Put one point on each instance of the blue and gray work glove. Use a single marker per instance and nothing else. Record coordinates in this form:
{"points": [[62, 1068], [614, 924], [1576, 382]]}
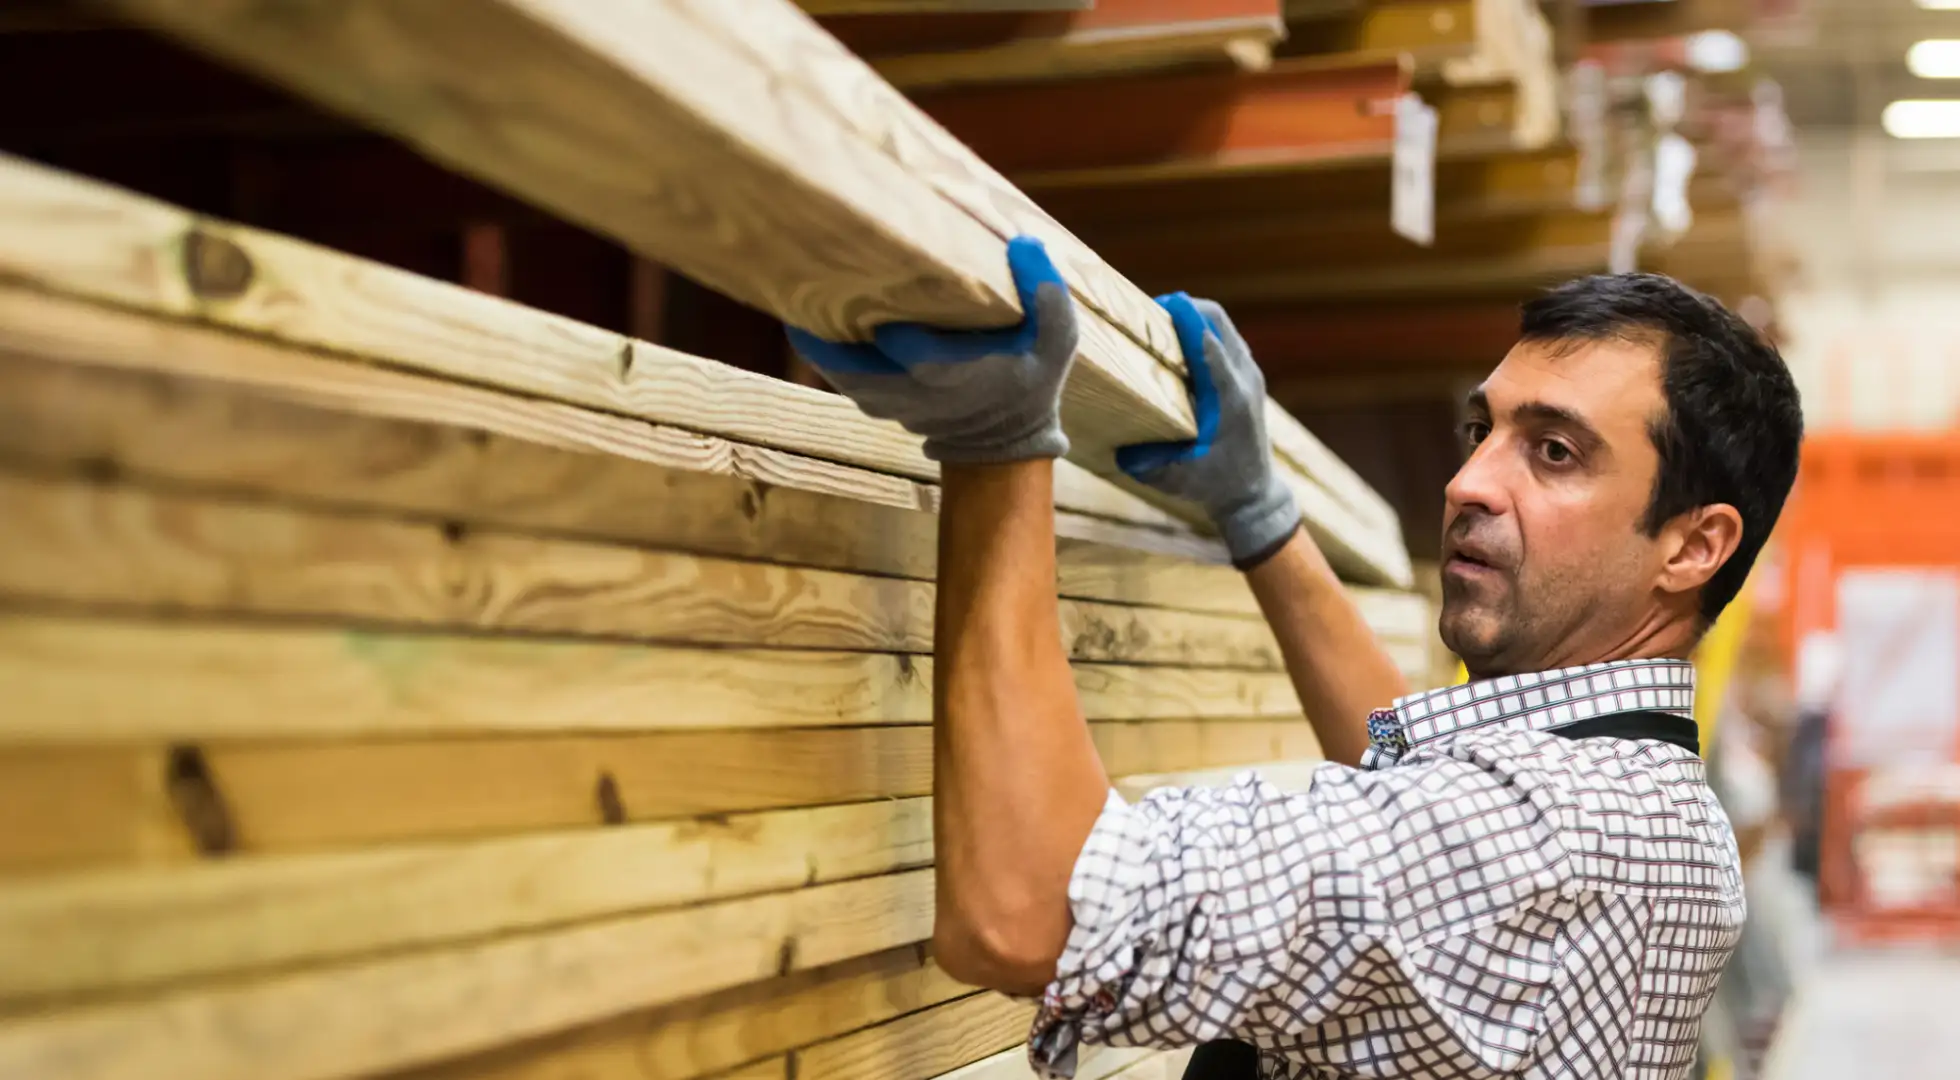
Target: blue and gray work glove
{"points": [[975, 396], [1228, 469]]}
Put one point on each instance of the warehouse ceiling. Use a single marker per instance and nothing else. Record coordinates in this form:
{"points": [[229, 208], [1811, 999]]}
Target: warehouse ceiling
{"points": [[1841, 61]]}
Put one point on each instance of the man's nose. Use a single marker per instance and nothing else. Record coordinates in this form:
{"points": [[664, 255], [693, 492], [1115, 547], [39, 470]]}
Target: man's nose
{"points": [[1482, 483]]}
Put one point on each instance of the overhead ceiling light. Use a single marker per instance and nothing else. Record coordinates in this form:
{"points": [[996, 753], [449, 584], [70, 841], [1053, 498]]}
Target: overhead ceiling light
{"points": [[1922, 119], [1935, 59], [1717, 51], [1940, 5]]}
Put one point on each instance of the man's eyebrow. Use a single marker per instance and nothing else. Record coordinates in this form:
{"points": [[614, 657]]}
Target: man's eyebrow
{"points": [[1478, 402], [1546, 413]]}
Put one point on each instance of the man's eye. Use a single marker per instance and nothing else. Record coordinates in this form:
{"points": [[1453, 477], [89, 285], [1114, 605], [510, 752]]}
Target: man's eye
{"points": [[1475, 431], [1556, 452]]}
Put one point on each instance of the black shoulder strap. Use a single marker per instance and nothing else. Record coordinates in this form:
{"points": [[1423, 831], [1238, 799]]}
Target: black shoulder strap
{"points": [[1226, 1059], [1666, 727]]}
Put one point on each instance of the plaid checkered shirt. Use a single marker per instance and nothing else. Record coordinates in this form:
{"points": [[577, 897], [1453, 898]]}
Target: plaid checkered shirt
{"points": [[1480, 899]]}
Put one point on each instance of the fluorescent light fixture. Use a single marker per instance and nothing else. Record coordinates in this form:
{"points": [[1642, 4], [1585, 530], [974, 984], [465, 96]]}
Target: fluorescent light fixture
{"points": [[1935, 59], [1922, 119], [1940, 5], [1717, 51]]}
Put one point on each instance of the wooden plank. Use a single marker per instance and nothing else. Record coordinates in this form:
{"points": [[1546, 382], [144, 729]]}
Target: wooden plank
{"points": [[1114, 36], [697, 1038], [88, 543], [921, 1045], [1356, 531], [649, 126], [131, 929], [1428, 31], [1502, 258], [1295, 341], [394, 1012], [126, 815], [212, 409], [884, 7], [128, 805], [1092, 1063], [113, 246], [135, 928], [352, 682], [1197, 123], [87, 239], [1364, 243]]}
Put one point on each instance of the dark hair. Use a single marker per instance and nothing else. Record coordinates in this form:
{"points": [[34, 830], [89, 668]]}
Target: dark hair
{"points": [[1734, 424]]}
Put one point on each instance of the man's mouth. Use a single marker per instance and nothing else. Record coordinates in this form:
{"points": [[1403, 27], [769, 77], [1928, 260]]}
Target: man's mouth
{"points": [[1467, 564]]}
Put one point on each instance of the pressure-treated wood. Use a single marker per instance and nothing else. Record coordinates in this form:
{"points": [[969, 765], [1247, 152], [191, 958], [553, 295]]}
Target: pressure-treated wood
{"points": [[326, 433], [392, 1012], [112, 545], [920, 1045], [879, 7], [354, 682], [117, 804], [1113, 36], [1092, 1063], [264, 418], [698, 1038], [87, 239], [653, 125], [120, 927], [1297, 114]]}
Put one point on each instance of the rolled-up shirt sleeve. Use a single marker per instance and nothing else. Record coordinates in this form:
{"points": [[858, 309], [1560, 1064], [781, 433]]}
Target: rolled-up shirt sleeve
{"points": [[1253, 913]]}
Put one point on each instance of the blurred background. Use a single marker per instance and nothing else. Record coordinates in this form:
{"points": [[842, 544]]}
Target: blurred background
{"points": [[1372, 186]]}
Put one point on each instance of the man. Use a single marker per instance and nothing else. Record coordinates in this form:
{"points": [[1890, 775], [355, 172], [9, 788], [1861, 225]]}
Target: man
{"points": [[1521, 877]]}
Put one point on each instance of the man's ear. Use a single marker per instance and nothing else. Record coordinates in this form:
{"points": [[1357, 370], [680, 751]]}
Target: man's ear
{"points": [[1702, 540]]}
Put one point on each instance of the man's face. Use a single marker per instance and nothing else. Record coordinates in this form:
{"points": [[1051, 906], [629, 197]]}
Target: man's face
{"points": [[1545, 563]]}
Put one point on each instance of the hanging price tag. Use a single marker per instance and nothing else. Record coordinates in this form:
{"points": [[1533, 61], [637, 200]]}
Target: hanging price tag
{"points": [[1412, 205], [1587, 123]]}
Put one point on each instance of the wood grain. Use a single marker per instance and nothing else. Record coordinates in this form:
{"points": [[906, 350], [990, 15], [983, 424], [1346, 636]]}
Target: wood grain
{"points": [[235, 415], [394, 1012], [114, 805], [106, 544], [313, 298], [145, 927], [699, 1037], [74, 806], [348, 437], [885, 119], [1079, 53], [270, 285], [180, 680], [921, 1045], [893, 7], [642, 125], [1092, 1063]]}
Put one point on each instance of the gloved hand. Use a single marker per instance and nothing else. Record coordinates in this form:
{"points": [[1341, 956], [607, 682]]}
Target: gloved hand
{"points": [[1228, 469], [975, 396]]}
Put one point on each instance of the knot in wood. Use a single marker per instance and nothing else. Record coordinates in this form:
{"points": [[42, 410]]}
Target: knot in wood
{"points": [[215, 267]]}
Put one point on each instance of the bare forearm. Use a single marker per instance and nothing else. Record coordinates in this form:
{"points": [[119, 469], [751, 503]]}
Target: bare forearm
{"points": [[1017, 782], [1338, 666]]}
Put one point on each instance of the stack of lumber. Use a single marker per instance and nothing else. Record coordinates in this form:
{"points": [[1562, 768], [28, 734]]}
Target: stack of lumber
{"points": [[405, 681], [398, 675]]}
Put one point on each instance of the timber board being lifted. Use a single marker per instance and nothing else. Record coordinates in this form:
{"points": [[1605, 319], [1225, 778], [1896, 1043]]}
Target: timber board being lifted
{"points": [[778, 115]]}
